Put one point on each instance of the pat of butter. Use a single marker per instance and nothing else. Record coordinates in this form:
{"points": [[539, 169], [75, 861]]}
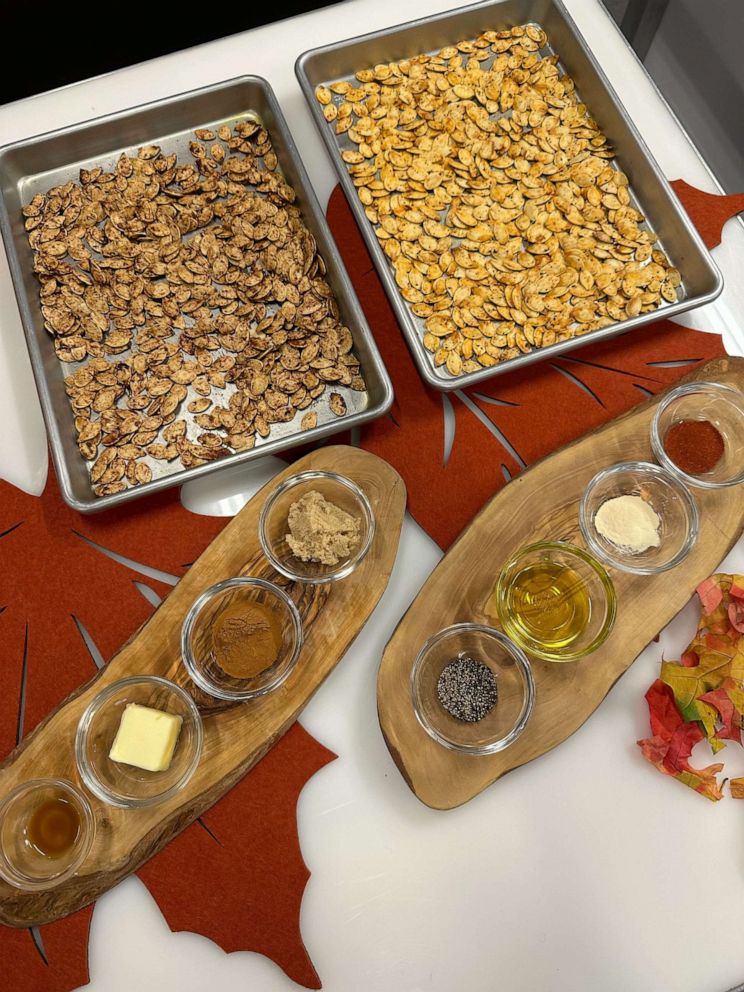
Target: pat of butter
{"points": [[146, 738]]}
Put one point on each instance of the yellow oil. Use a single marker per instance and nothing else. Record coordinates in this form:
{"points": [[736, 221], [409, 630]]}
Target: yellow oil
{"points": [[548, 603]]}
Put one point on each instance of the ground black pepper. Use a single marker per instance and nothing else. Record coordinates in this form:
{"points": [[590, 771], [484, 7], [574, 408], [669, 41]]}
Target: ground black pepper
{"points": [[467, 689]]}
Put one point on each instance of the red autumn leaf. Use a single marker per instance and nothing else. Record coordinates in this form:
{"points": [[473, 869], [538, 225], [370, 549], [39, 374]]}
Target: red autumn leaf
{"points": [[729, 715], [684, 739], [671, 746], [708, 211], [722, 621], [665, 717], [710, 594], [702, 697], [511, 420], [57, 584], [736, 615]]}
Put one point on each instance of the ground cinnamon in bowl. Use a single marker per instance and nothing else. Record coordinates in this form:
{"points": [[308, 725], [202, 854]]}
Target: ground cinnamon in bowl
{"points": [[246, 639], [695, 446]]}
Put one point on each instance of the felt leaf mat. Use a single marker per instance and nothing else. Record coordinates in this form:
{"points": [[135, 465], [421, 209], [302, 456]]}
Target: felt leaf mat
{"points": [[236, 875], [708, 211], [453, 465]]}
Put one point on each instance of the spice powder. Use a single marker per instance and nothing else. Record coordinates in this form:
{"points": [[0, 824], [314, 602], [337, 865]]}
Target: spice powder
{"points": [[629, 522], [695, 446], [246, 639]]}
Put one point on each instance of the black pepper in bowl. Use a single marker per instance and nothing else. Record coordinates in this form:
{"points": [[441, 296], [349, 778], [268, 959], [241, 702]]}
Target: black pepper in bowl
{"points": [[467, 689]]}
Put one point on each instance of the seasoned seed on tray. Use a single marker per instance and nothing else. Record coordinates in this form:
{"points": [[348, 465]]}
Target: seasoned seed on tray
{"points": [[493, 195], [181, 287]]}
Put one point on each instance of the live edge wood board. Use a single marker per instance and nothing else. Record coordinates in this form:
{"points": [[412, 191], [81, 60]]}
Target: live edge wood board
{"points": [[542, 503], [235, 738]]}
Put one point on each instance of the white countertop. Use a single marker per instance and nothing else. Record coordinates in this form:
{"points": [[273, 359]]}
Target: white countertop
{"points": [[583, 871]]}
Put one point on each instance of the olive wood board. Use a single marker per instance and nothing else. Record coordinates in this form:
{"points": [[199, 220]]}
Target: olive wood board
{"points": [[542, 504], [235, 738]]}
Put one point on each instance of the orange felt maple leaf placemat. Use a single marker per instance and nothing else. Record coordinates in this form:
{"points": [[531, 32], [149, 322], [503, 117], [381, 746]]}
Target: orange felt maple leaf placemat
{"points": [[236, 875], [508, 422], [708, 211]]}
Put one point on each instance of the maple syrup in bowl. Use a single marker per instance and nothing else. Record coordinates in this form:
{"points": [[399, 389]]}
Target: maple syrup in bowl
{"points": [[555, 600], [46, 831]]}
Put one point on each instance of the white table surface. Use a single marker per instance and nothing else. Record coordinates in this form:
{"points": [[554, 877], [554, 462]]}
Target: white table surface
{"points": [[583, 871]]}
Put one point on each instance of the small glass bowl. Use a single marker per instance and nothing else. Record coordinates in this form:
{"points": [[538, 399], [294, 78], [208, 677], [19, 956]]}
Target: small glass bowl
{"points": [[21, 863], [124, 785], [516, 689], [601, 601], [197, 648], [273, 526], [671, 500], [720, 405]]}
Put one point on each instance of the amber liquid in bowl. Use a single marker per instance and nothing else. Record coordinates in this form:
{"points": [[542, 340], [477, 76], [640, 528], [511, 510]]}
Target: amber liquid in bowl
{"points": [[549, 603], [53, 827]]}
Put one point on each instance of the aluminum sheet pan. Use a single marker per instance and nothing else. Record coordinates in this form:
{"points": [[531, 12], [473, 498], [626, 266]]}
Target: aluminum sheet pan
{"points": [[650, 191], [36, 164]]}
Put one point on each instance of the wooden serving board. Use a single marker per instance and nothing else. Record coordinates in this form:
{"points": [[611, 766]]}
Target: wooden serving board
{"points": [[542, 503], [235, 738]]}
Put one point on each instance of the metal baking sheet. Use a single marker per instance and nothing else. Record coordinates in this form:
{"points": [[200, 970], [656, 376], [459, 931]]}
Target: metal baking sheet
{"points": [[650, 191], [47, 160]]}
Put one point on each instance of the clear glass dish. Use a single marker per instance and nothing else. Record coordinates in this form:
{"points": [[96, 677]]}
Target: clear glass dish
{"points": [[227, 599], [669, 497], [572, 572], [22, 864], [514, 681], [273, 526], [720, 405], [124, 785]]}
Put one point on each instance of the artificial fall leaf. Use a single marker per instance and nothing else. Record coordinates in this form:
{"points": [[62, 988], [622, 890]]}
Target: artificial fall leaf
{"points": [[671, 746], [508, 422], [736, 615], [55, 584], [710, 594], [708, 211], [702, 697], [736, 785], [728, 700], [689, 659], [663, 713], [690, 684]]}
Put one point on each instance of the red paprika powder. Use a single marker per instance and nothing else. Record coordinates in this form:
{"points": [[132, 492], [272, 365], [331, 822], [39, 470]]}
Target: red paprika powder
{"points": [[695, 446]]}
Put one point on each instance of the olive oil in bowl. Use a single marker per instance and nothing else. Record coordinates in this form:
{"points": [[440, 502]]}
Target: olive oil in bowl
{"points": [[549, 603], [555, 600]]}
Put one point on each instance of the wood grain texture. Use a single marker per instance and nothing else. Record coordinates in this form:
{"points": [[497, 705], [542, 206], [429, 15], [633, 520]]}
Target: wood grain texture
{"points": [[234, 738], [542, 503]]}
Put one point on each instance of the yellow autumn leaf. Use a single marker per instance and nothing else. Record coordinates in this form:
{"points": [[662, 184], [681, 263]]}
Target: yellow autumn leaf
{"points": [[737, 788], [689, 683]]}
